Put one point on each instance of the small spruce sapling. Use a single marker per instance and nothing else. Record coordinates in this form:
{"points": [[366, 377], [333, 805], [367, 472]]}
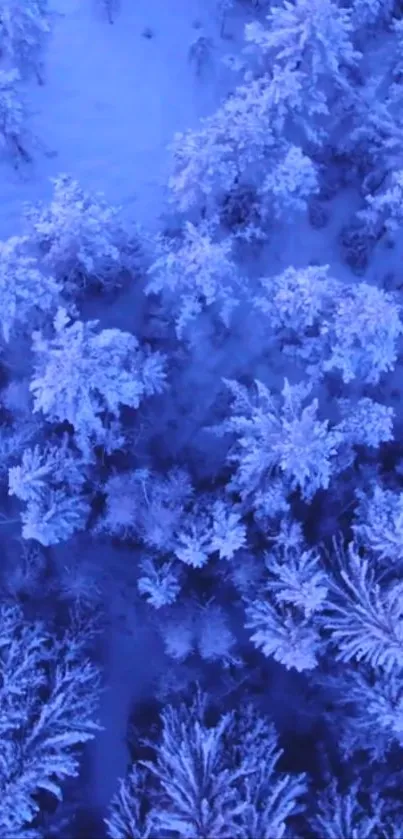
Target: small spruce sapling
{"points": [[209, 527], [365, 422], [296, 300], [83, 374], [371, 703], [281, 633], [159, 582]]}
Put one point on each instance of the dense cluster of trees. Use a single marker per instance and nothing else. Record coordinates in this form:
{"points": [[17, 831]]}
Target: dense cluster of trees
{"points": [[275, 561]]}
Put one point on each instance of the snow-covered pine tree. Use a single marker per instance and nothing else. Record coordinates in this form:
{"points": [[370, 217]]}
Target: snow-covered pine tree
{"points": [[370, 13], [83, 374], [50, 482], [80, 238], [233, 143], [340, 815], [364, 613], [24, 28], [370, 709], [287, 187], [12, 117], [379, 524], [145, 505], [363, 332], [275, 435], [195, 273], [48, 697], [127, 819], [280, 632], [216, 781], [159, 581], [314, 36], [24, 289], [384, 212]]}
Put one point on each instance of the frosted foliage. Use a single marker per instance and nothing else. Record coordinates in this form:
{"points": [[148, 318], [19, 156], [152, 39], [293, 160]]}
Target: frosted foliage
{"points": [[376, 132], [365, 422], [214, 637], [24, 27], [49, 481], [355, 329], [384, 211], [179, 634], [379, 523], [311, 35], [234, 140], [229, 534], [209, 528], [375, 704], [202, 629], [147, 506], [297, 579], [48, 696], [198, 273], [211, 780], [340, 815], [295, 299], [83, 373], [270, 502], [23, 287], [78, 235], [193, 540], [284, 435], [280, 633], [370, 12], [12, 113], [39, 467], [159, 582], [364, 334], [366, 620], [200, 165], [55, 518], [125, 819], [290, 183]]}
